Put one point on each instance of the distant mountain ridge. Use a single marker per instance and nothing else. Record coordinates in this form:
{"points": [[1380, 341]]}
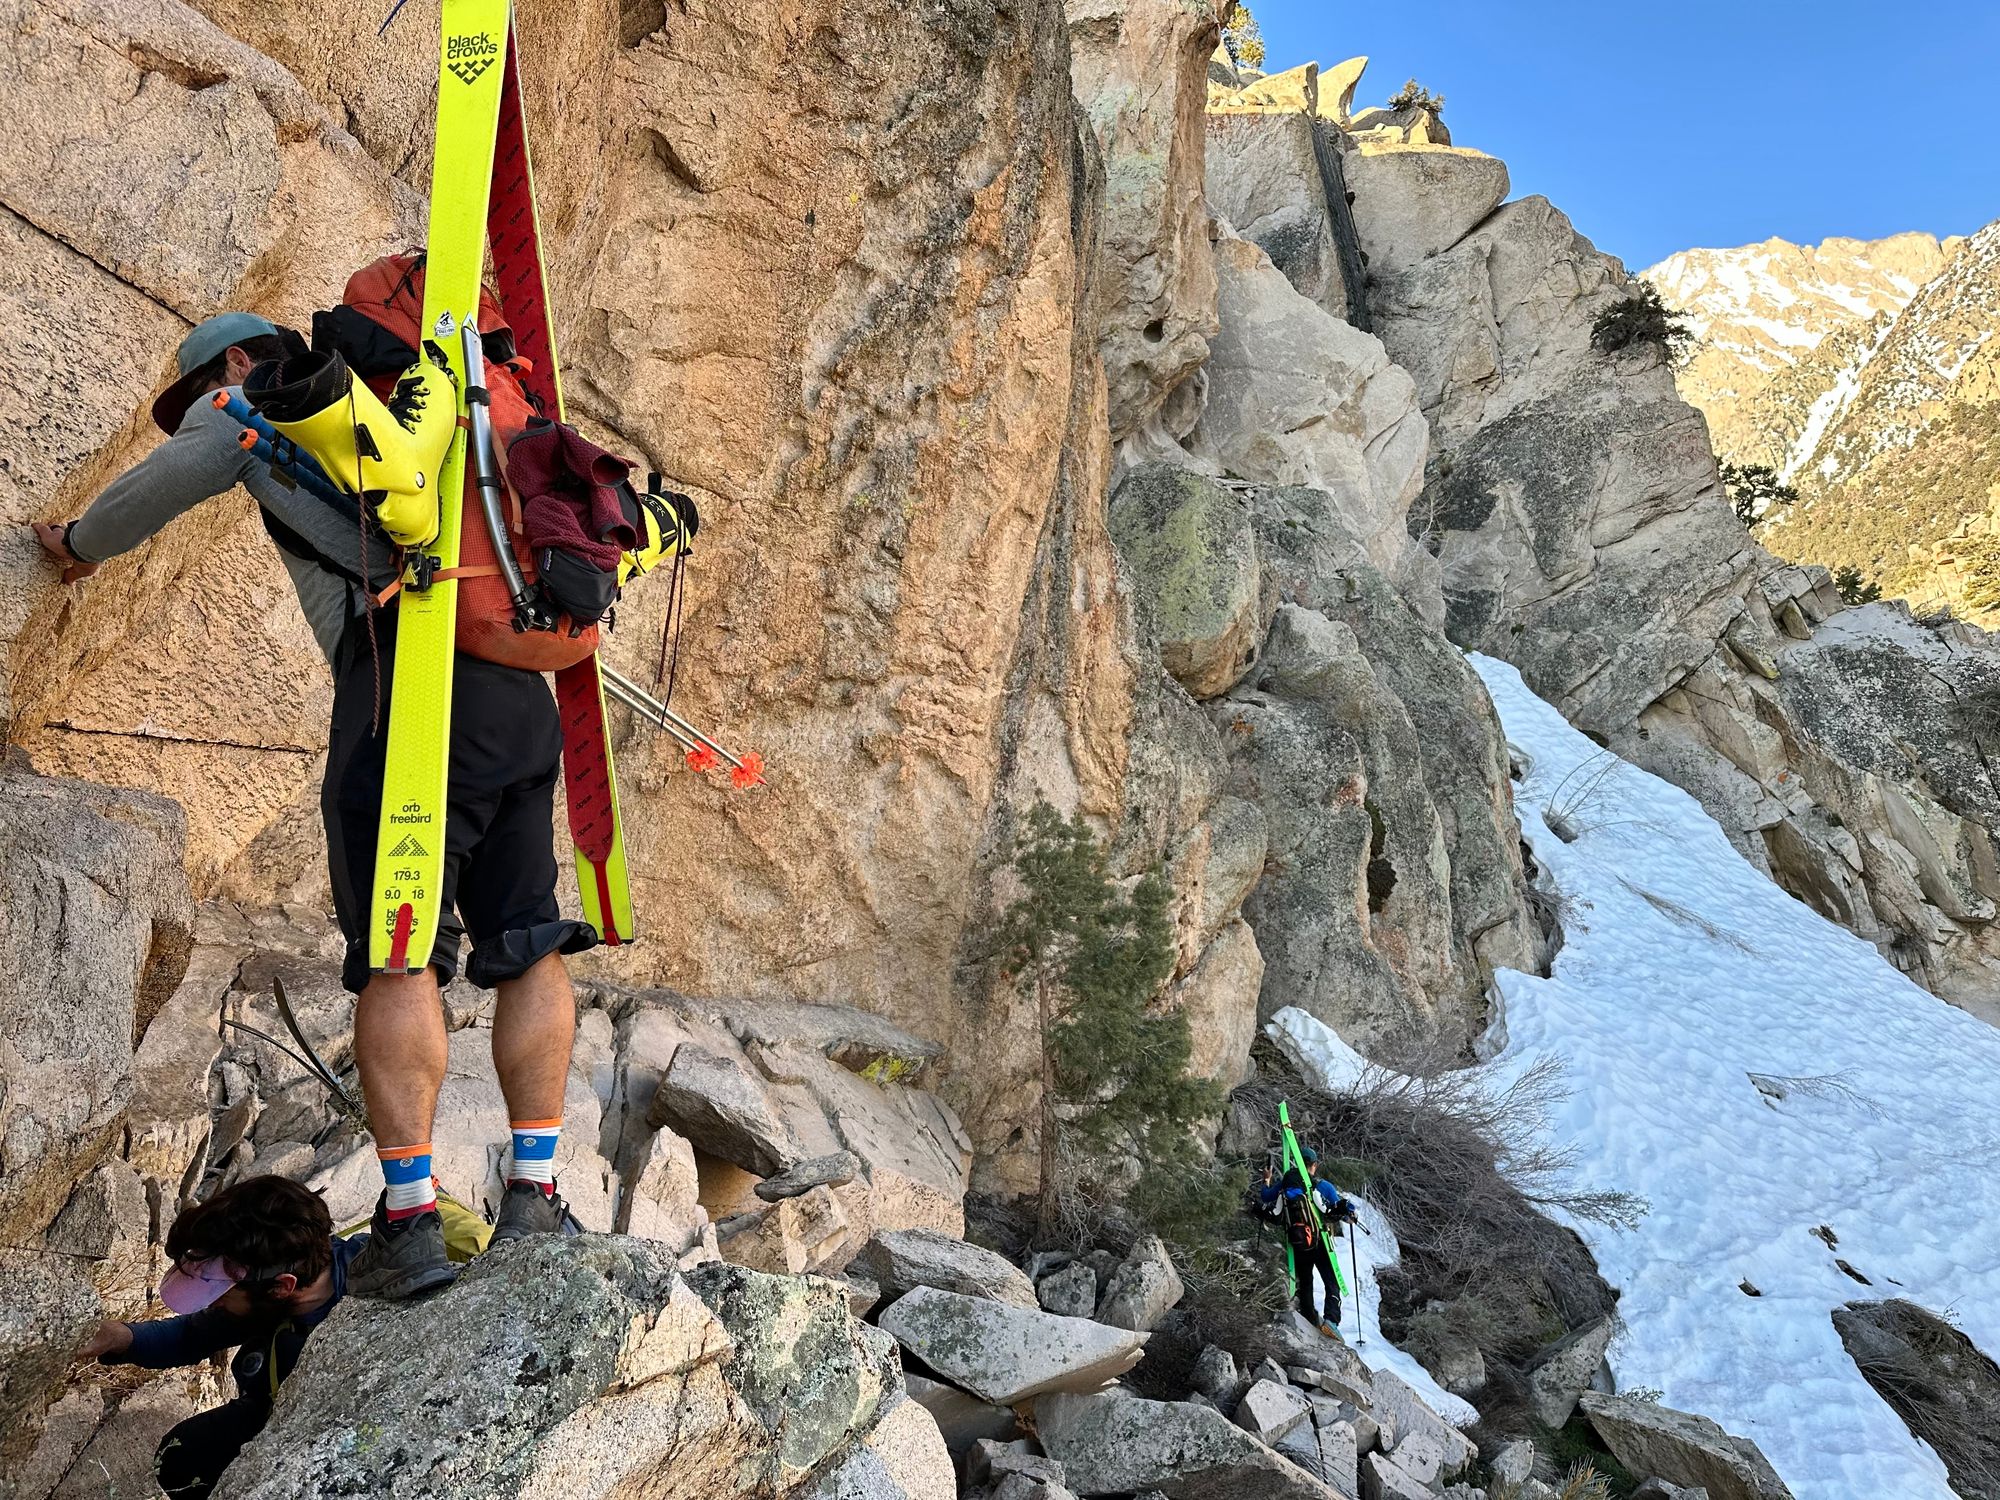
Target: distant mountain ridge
{"points": [[1875, 393], [1761, 311]]}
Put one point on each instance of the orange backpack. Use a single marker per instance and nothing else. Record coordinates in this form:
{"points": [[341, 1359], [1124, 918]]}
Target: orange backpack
{"points": [[377, 329]]}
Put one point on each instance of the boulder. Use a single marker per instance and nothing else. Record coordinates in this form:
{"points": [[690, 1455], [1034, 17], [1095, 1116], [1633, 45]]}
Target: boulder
{"points": [[1139, 69], [811, 1232], [1114, 1443], [1070, 1292], [1144, 1288], [1411, 202], [1269, 1411], [902, 1457], [835, 1170], [1659, 1489], [1400, 1410], [719, 1105], [1295, 89], [1189, 546], [1003, 1353], [990, 1460], [1297, 397], [1382, 1478], [1217, 1376], [899, 1260], [1514, 1462], [584, 1366], [1683, 1448], [964, 1420], [1563, 1373]]}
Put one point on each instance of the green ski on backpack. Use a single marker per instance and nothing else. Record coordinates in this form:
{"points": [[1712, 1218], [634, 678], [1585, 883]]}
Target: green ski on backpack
{"points": [[410, 847], [1292, 1157]]}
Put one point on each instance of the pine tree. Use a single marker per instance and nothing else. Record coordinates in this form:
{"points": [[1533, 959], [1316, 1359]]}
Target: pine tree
{"points": [[1092, 958], [1244, 38], [1855, 587], [1641, 318], [1755, 491]]}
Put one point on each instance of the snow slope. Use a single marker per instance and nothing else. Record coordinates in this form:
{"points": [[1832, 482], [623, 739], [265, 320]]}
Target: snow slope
{"points": [[1684, 973]]}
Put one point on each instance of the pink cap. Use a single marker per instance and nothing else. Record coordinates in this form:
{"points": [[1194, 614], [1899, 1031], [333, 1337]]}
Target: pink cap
{"points": [[191, 1290]]}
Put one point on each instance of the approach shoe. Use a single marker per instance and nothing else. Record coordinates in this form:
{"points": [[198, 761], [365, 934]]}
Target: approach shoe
{"points": [[527, 1210], [1328, 1329], [401, 1260]]}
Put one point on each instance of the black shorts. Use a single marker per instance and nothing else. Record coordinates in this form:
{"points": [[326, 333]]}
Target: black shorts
{"points": [[499, 866]]}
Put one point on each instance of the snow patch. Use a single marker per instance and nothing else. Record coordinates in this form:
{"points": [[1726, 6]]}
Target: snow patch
{"points": [[1756, 1073]]}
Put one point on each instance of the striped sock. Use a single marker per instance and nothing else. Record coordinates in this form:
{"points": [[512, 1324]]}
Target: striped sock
{"points": [[407, 1171], [535, 1153]]}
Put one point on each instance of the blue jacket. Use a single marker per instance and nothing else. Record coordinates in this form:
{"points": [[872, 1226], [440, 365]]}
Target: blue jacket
{"points": [[265, 1352], [1327, 1194]]}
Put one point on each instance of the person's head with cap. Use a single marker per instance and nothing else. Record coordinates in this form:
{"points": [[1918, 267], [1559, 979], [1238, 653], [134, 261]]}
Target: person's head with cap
{"points": [[219, 351], [1312, 1160], [256, 1247]]}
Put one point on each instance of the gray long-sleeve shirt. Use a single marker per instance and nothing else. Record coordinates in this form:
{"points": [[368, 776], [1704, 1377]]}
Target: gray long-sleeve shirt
{"points": [[202, 460]]}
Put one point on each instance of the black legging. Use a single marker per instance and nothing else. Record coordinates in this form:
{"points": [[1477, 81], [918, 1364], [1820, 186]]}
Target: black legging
{"points": [[194, 1453], [1304, 1263]]}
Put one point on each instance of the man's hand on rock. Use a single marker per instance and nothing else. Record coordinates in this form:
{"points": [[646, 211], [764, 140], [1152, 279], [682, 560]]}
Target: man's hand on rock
{"points": [[55, 541], [110, 1337]]}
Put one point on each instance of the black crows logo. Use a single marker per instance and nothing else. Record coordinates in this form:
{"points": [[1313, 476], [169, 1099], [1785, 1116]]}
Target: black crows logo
{"points": [[470, 56]]}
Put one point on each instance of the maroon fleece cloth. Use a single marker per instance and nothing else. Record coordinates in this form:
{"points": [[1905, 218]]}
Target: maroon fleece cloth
{"points": [[569, 496]]}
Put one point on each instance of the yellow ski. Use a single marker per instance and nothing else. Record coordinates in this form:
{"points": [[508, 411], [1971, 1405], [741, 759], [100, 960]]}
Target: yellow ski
{"points": [[410, 850]]}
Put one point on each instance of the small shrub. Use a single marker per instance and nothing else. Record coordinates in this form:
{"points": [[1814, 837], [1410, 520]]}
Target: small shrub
{"points": [[1413, 95], [1641, 318], [1854, 586]]}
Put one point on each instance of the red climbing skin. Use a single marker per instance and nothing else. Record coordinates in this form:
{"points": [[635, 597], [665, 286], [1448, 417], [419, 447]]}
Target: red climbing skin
{"points": [[586, 771], [517, 261], [517, 274]]}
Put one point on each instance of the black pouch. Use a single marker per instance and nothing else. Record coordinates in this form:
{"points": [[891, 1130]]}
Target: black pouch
{"points": [[576, 587]]}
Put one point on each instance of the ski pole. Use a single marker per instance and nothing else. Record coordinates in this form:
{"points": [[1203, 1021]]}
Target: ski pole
{"points": [[645, 711], [747, 769], [1354, 1260], [261, 440]]}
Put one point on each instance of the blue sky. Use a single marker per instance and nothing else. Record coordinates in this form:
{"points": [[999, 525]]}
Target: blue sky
{"points": [[1697, 122]]}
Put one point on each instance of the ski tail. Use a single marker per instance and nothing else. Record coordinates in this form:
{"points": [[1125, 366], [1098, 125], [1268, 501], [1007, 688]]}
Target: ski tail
{"points": [[410, 847], [590, 784]]}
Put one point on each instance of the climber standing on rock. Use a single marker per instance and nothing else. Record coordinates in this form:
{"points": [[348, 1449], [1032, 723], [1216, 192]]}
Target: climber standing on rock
{"points": [[255, 1268], [1293, 1201], [499, 871]]}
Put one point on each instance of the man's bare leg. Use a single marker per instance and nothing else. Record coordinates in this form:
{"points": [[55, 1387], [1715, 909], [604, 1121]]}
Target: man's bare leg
{"points": [[534, 1026], [399, 1050]]}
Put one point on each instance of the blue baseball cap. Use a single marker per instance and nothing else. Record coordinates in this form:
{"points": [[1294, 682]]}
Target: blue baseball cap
{"points": [[204, 343]]}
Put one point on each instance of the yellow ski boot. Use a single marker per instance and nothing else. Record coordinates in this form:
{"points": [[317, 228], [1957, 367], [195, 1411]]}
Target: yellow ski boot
{"points": [[387, 454]]}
